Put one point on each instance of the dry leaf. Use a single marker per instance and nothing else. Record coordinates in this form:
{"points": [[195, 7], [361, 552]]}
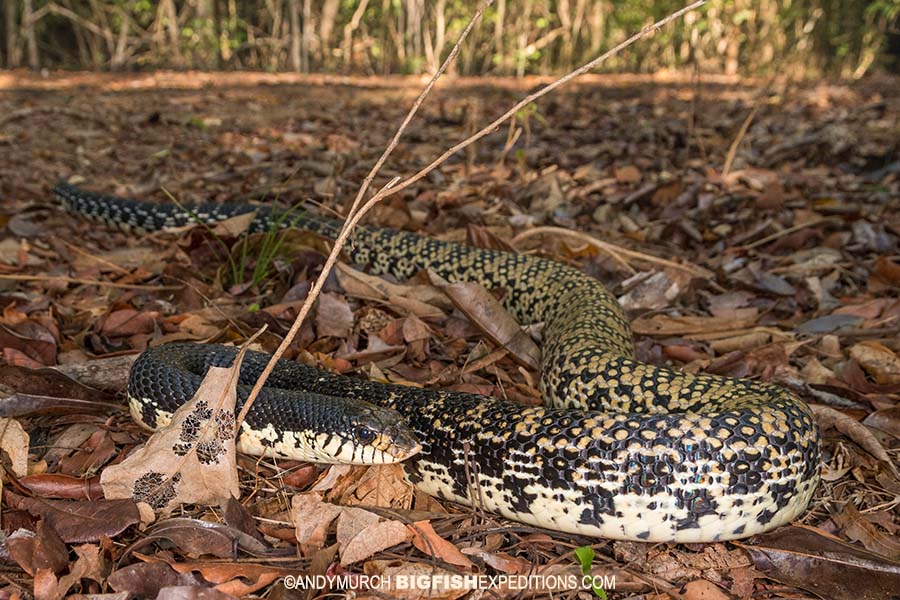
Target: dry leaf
{"points": [[808, 558], [652, 293], [312, 517], [628, 174], [234, 226], [392, 571], [192, 459], [144, 580], [878, 361], [430, 543], [666, 325], [75, 522], [374, 539], [494, 321], [856, 431], [238, 579], [855, 527], [14, 442], [334, 317], [701, 589], [503, 562]]}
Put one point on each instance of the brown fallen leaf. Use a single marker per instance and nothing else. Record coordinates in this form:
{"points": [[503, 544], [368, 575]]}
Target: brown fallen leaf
{"points": [[312, 518], [88, 565], [237, 579], [373, 539], [21, 404], [41, 549], [334, 317], [90, 456], [431, 544], [126, 322], [501, 561], [192, 592], [701, 589], [423, 301], [144, 580], [51, 485], [234, 226], [392, 571], [857, 529], [667, 325], [856, 431], [878, 361], [49, 382], [379, 485], [810, 559], [652, 291], [77, 522], [14, 443], [627, 174], [198, 537], [30, 338], [494, 321], [192, 459], [886, 420]]}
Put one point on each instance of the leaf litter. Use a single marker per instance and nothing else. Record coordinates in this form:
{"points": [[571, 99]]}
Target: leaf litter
{"points": [[784, 268]]}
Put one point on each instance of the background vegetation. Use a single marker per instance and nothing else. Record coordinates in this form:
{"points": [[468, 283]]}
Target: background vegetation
{"points": [[800, 37]]}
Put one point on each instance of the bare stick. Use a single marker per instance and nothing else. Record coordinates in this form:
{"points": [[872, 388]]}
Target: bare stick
{"points": [[415, 108], [80, 281], [354, 217], [732, 151], [614, 251]]}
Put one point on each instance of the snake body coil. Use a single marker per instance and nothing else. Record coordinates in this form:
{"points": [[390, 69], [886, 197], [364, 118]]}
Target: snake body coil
{"points": [[623, 450]]}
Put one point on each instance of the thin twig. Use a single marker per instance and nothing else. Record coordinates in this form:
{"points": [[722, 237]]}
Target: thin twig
{"points": [[415, 108], [78, 280], [356, 215], [616, 252], [732, 150]]}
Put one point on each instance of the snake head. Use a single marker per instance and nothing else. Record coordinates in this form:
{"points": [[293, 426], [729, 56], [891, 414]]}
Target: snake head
{"points": [[372, 435]]}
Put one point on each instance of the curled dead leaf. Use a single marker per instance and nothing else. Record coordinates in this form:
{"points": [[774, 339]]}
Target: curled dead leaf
{"points": [[494, 321], [856, 431], [812, 560], [192, 459], [877, 360]]}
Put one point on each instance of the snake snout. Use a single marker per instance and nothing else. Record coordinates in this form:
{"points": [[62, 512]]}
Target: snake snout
{"points": [[378, 436]]}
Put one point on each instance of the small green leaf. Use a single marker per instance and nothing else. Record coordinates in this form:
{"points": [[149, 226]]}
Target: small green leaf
{"points": [[585, 557]]}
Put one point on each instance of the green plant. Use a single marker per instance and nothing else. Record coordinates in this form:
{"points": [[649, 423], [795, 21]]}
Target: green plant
{"points": [[266, 251], [585, 557]]}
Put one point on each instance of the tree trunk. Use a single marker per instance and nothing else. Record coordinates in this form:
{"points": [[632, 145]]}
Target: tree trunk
{"points": [[326, 27], [498, 30], [307, 33], [296, 42], [349, 28], [117, 61], [30, 38], [171, 17], [13, 55], [206, 12]]}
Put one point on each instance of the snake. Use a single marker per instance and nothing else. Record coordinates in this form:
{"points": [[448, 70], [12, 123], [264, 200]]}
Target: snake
{"points": [[619, 448]]}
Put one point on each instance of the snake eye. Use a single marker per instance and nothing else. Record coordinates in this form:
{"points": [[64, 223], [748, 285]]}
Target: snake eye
{"points": [[365, 435]]}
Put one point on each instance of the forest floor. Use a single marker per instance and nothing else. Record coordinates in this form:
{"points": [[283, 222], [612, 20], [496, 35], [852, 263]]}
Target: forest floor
{"points": [[776, 207]]}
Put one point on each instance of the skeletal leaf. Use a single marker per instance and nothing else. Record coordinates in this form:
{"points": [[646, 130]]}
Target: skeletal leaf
{"points": [[192, 459]]}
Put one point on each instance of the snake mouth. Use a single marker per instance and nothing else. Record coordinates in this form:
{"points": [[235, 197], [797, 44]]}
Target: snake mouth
{"points": [[398, 444]]}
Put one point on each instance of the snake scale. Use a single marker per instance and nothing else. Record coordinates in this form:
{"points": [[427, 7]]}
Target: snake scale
{"points": [[622, 449]]}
